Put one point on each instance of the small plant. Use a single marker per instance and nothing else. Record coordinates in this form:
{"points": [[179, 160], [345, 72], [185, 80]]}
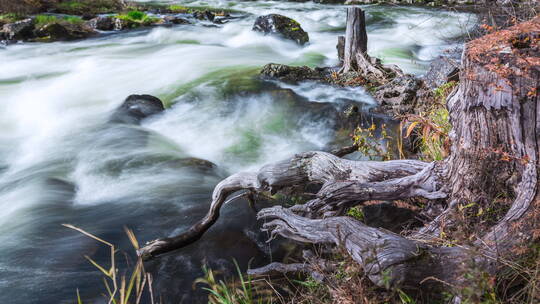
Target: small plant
{"points": [[356, 212], [432, 126], [372, 145]]}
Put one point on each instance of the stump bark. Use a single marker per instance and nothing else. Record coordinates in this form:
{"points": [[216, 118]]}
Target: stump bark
{"points": [[495, 114]]}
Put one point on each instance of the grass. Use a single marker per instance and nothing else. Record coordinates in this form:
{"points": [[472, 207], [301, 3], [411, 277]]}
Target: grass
{"points": [[120, 289]]}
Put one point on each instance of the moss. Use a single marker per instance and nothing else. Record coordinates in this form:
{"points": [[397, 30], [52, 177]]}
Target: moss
{"points": [[11, 17], [178, 9], [136, 18], [42, 20]]}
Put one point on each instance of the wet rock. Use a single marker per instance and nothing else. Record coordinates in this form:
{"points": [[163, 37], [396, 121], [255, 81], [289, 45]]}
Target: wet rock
{"points": [[281, 26], [136, 108], [63, 31], [175, 20], [444, 68], [399, 95], [291, 74], [204, 15], [102, 23], [20, 30], [391, 217]]}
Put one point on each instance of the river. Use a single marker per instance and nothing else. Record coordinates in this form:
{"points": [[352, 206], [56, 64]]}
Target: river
{"points": [[60, 162]]}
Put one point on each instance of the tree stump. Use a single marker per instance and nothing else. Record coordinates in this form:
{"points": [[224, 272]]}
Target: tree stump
{"points": [[355, 39]]}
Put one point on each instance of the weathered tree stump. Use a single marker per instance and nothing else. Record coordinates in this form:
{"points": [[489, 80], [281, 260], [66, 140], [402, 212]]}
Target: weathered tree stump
{"points": [[355, 39]]}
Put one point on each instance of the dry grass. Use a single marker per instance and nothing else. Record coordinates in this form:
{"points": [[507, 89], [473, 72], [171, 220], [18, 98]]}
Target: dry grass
{"points": [[121, 289]]}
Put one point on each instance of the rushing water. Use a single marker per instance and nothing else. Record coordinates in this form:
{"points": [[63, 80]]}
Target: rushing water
{"points": [[62, 163]]}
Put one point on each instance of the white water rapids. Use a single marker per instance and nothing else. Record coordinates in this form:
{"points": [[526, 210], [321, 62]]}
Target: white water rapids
{"points": [[60, 162]]}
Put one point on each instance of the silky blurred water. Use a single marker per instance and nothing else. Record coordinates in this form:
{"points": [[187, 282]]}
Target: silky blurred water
{"points": [[61, 162]]}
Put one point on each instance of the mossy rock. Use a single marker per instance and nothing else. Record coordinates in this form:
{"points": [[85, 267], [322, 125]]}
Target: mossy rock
{"points": [[281, 26], [89, 7], [291, 74], [50, 28]]}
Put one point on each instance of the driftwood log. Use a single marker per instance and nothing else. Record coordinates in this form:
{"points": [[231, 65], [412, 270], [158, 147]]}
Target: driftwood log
{"points": [[495, 114]]}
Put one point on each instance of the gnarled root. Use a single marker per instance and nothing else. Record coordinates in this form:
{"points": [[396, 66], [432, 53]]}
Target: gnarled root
{"points": [[313, 167]]}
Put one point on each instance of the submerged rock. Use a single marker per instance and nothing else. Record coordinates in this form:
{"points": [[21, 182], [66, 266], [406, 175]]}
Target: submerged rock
{"points": [[136, 108], [291, 74], [281, 26], [20, 30]]}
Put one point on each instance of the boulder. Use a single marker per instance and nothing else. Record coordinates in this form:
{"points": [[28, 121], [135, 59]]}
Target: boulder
{"points": [[291, 74], [444, 68], [59, 31], [281, 26], [20, 30], [399, 95], [136, 108], [102, 23]]}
